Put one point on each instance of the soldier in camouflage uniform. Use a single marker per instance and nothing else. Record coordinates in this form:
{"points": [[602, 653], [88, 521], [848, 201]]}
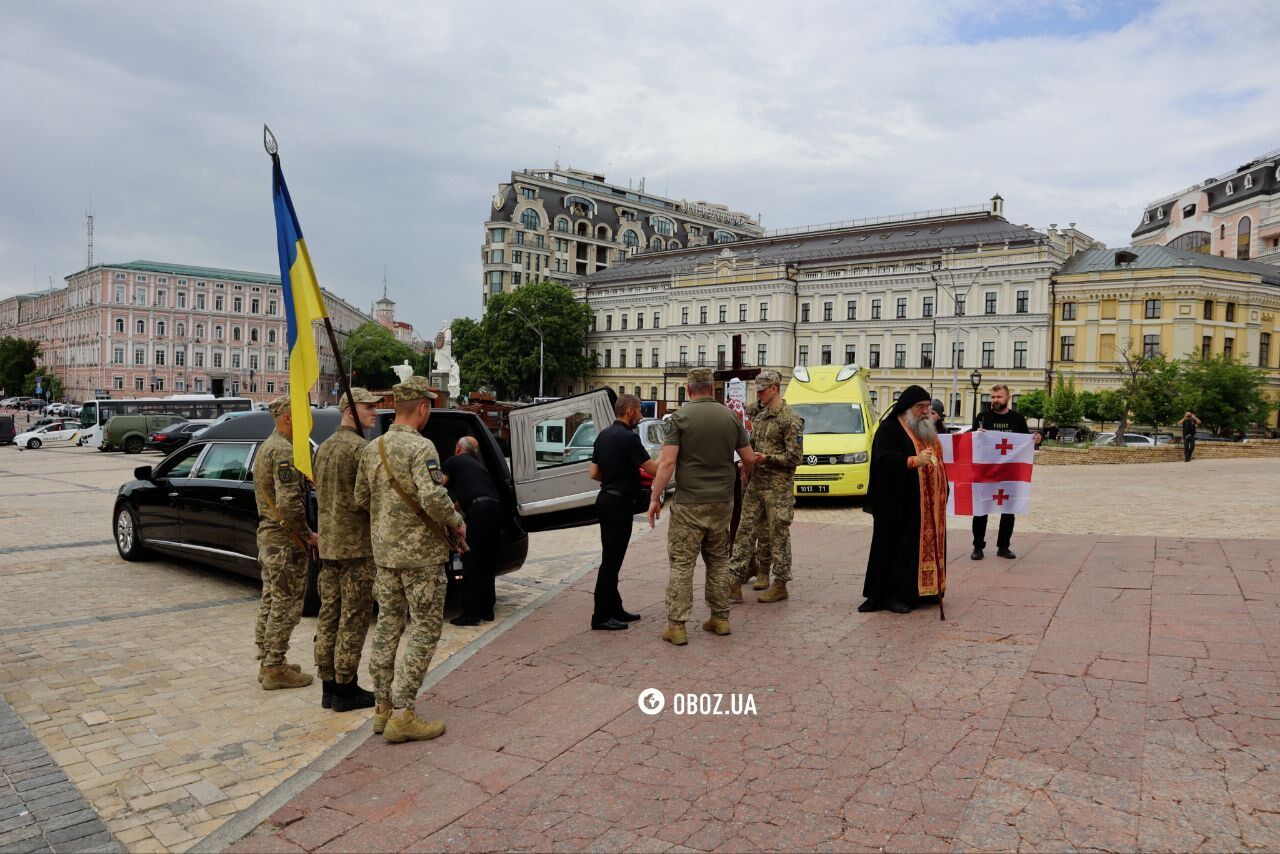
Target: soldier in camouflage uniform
{"points": [[700, 441], [768, 505], [284, 538], [347, 568], [398, 481]]}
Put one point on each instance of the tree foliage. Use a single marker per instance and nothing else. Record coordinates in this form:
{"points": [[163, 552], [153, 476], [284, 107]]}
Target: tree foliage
{"points": [[51, 387], [17, 361], [1225, 394], [1064, 407], [1032, 403], [1107, 407], [1159, 392], [500, 352], [370, 351]]}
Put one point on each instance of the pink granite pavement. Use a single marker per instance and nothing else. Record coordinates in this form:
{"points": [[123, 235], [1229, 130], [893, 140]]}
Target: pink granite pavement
{"points": [[1097, 693]]}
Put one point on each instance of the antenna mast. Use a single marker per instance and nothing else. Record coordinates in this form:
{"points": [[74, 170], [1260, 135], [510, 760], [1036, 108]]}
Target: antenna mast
{"points": [[88, 257]]}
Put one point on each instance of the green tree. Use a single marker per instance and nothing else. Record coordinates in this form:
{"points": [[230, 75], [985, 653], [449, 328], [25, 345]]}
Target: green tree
{"points": [[1225, 394], [1108, 407], [370, 351], [1063, 407], [501, 351], [17, 360], [1160, 392], [1032, 404], [1089, 405], [51, 387]]}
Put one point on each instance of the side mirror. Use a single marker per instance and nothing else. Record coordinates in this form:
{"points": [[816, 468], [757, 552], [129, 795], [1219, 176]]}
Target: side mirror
{"points": [[142, 473]]}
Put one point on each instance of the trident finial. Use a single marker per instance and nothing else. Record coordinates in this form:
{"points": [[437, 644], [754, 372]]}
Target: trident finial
{"points": [[269, 141]]}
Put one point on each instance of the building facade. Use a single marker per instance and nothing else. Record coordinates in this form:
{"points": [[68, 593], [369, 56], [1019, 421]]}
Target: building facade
{"points": [[146, 328], [1156, 300], [563, 224], [919, 298], [1235, 215]]}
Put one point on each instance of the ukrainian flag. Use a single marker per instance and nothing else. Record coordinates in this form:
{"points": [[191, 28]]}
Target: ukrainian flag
{"points": [[302, 305]]}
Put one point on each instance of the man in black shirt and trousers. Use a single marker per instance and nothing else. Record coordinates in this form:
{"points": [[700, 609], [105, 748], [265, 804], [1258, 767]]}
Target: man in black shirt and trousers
{"points": [[616, 461], [471, 486], [1003, 418]]}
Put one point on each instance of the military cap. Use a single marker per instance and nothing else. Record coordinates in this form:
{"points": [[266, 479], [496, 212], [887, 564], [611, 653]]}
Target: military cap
{"points": [[362, 395], [414, 388], [700, 375], [279, 406], [764, 379]]}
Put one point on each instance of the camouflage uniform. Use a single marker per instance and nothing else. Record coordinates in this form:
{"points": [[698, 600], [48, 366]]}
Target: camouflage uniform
{"points": [[347, 571], [768, 504], [698, 529], [410, 558], [283, 561]]}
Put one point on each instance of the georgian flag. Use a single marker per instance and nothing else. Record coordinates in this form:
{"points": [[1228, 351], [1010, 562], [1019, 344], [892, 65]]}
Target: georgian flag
{"points": [[988, 472]]}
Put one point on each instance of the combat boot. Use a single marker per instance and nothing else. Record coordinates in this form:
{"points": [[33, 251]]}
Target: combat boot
{"points": [[762, 580], [349, 696], [675, 634], [283, 676], [262, 668], [735, 592], [326, 693], [776, 593], [719, 625], [381, 714], [406, 727]]}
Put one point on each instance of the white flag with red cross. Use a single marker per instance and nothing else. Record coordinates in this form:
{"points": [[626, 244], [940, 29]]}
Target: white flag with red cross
{"points": [[989, 472]]}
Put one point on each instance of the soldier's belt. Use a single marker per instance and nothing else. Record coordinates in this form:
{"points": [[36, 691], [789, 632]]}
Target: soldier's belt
{"points": [[454, 542]]}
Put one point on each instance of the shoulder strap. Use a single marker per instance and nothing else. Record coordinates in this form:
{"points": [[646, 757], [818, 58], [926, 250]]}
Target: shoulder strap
{"points": [[275, 512], [453, 540]]}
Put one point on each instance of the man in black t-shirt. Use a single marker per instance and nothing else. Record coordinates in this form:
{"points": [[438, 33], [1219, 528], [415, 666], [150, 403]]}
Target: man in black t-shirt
{"points": [[471, 486], [999, 417], [616, 461], [1189, 424]]}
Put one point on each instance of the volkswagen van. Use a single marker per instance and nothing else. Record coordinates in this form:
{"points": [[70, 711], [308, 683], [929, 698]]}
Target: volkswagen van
{"points": [[839, 422]]}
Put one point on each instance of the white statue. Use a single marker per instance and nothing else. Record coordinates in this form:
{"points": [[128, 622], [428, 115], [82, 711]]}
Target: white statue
{"points": [[403, 371]]}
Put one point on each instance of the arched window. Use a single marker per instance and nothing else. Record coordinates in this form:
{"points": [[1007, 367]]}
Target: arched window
{"points": [[530, 219], [637, 391], [217, 332], [253, 336], [1248, 182], [680, 395], [1244, 236], [673, 245], [199, 330], [602, 232], [140, 327], [562, 224], [656, 244], [653, 392], [271, 336], [1191, 241], [583, 229], [580, 206], [1231, 188], [120, 324], [724, 236], [182, 329], [160, 327], [662, 225], [630, 239], [235, 333]]}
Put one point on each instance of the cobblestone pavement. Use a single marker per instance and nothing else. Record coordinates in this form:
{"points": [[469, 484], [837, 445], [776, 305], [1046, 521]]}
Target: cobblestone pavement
{"points": [[1098, 693], [139, 678]]}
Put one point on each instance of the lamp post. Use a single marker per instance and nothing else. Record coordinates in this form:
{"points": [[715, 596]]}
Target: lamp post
{"points": [[955, 292], [541, 352], [976, 379]]}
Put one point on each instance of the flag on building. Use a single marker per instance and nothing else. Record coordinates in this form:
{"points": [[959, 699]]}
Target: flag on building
{"points": [[989, 472], [302, 305]]}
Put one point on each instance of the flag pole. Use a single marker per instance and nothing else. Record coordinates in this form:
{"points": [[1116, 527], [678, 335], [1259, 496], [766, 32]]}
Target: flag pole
{"points": [[273, 149]]}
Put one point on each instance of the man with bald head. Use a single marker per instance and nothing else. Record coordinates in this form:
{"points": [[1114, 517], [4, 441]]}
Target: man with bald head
{"points": [[473, 490]]}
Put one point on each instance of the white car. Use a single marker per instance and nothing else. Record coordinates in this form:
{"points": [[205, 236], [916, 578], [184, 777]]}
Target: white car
{"points": [[57, 433], [1131, 440]]}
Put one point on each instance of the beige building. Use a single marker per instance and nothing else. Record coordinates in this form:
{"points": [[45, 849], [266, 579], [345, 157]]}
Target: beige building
{"points": [[1157, 300], [919, 298]]}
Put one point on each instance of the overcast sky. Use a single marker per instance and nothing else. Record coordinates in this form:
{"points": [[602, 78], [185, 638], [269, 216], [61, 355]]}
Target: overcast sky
{"points": [[397, 120]]}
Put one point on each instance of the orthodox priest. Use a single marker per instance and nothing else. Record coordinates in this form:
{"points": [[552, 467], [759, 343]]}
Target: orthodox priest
{"points": [[907, 496]]}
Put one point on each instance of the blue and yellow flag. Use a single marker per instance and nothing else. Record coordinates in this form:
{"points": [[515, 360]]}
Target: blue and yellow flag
{"points": [[302, 306]]}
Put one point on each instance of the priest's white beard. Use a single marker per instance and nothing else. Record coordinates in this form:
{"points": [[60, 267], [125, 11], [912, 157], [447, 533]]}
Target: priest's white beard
{"points": [[922, 427]]}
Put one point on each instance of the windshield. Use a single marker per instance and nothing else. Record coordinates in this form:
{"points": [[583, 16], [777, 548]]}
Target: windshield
{"points": [[830, 417], [89, 414], [584, 436]]}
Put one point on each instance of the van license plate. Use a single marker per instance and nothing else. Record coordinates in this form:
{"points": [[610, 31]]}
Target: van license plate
{"points": [[803, 488]]}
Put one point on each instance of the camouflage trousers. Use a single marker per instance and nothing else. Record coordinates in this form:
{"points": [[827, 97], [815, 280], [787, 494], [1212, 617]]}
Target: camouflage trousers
{"points": [[346, 607], [698, 529], [284, 585], [415, 593], [764, 534]]}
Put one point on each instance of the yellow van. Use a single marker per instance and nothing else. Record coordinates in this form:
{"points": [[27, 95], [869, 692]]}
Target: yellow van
{"points": [[838, 425]]}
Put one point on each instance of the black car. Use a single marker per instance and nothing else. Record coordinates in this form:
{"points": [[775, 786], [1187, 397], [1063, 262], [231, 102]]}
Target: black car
{"points": [[169, 439]]}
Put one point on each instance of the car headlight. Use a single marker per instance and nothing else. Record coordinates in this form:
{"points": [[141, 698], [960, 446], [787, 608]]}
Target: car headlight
{"points": [[859, 457]]}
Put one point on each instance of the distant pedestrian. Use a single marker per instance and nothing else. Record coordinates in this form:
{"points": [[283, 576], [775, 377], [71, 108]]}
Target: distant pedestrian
{"points": [[616, 462], [471, 485], [938, 413], [699, 448], [1000, 417], [1189, 424]]}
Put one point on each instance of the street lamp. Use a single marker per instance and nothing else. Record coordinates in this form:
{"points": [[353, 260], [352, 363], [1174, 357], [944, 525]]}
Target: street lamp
{"points": [[952, 289], [976, 379], [541, 352]]}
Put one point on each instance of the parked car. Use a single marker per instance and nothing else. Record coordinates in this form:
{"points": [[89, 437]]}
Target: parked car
{"points": [[198, 503], [169, 439], [1131, 440], [129, 432], [7, 430], [1206, 436], [56, 433], [222, 419], [1165, 439]]}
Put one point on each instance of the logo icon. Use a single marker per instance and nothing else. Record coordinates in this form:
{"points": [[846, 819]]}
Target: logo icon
{"points": [[651, 701], [811, 460]]}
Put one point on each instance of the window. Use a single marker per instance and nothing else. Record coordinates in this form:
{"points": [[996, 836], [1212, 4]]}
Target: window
{"points": [[762, 354], [1264, 349], [200, 302], [684, 314], [724, 236], [804, 313], [253, 361], [742, 312], [117, 383], [764, 311], [1248, 182], [662, 225], [608, 358], [1153, 309], [1067, 348], [139, 356], [850, 354], [1150, 346], [271, 308], [179, 357], [271, 336], [181, 330], [1068, 311], [828, 310], [875, 401], [1159, 213], [225, 461], [219, 302], [900, 355], [623, 318], [1188, 211], [653, 393], [515, 278], [957, 354], [875, 309], [680, 395], [1023, 301], [140, 295], [120, 325], [120, 290], [1231, 188], [630, 239], [1231, 312], [235, 333], [851, 310], [1206, 346], [926, 354], [826, 354], [803, 358], [724, 313], [655, 244], [496, 256], [655, 320], [198, 358], [989, 304], [271, 363], [902, 308], [235, 361], [622, 357], [140, 327], [960, 298], [117, 356], [181, 297], [1222, 231], [1243, 236], [874, 356], [1019, 354], [562, 224], [217, 359], [519, 238], [988, 354], [138, 383], [161, 328], [159, 357], [1228, 348], [720, 356], [255, 306], [702, 354], [928, 307], [237, 304], [653, 358], [529, 219], [528, 193], [1208, 309], [702, 314]]}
